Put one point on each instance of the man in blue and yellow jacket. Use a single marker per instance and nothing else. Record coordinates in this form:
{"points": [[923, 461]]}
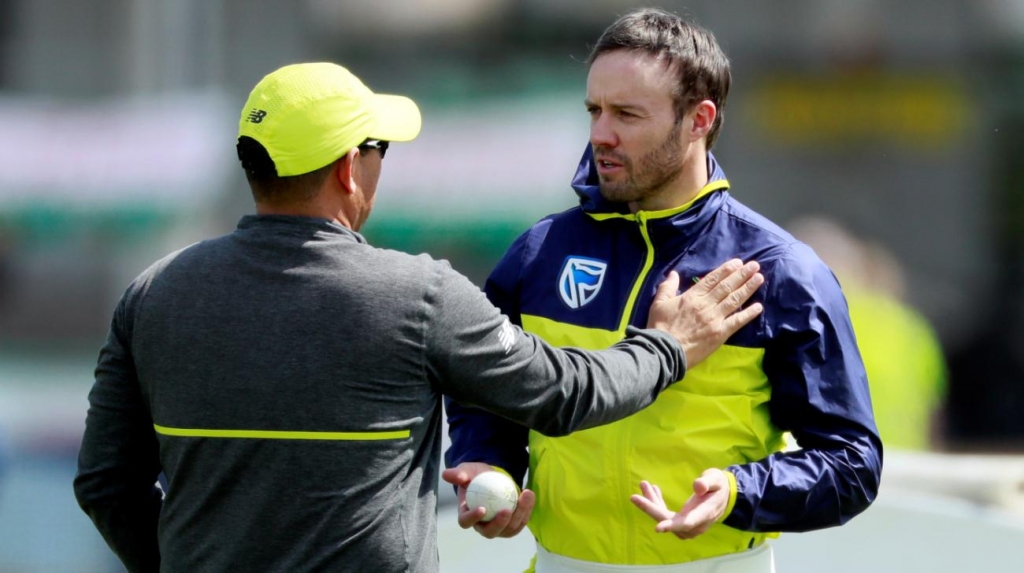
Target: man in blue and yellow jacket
{"points": [[653, 200]]}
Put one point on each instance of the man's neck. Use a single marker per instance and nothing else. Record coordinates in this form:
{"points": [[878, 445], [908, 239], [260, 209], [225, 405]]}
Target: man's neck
{"points": [[309, 209], [293, 210]]}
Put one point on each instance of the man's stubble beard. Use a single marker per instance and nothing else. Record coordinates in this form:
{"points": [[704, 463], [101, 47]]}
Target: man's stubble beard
{"points": [[653, 172]]}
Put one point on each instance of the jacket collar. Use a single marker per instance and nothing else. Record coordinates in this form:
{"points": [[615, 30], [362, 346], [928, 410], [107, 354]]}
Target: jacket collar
{"points": [[295, 224], [585, 183]]}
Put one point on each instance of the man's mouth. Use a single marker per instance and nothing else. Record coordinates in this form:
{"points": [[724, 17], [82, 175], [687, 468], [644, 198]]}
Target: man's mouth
{"points": [[607, 165]]}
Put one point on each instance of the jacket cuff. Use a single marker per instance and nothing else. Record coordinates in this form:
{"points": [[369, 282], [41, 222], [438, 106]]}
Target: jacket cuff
{"points": [[667, 342], [733, 490]]}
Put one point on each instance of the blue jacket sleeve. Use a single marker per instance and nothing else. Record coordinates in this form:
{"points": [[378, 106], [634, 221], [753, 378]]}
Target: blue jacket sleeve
{"points": [[478, 435], [820, 395]]}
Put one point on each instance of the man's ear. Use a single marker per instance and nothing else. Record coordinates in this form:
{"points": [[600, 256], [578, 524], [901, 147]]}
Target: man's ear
{"points": [[345, 170], [704, 114]]}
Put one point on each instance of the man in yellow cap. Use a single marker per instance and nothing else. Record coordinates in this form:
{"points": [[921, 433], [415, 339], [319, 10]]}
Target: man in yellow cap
{"points": [[286, 378]]}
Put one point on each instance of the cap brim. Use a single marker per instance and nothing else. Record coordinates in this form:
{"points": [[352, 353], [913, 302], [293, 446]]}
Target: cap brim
{"points": [[398, 118]]}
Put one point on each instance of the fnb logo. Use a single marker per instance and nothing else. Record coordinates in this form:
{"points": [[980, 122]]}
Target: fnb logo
{"points": [[580, 280], [257, 115]]}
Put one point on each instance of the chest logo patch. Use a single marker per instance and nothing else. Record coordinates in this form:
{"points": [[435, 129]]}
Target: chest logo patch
{"points": [[580, 280]]}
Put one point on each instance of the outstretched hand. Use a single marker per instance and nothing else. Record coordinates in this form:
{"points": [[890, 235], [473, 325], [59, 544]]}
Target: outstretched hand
{"points": [[705, 507], [506, 523], [708, 313]]}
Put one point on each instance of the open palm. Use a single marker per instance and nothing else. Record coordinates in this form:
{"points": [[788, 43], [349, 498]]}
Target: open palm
{"points": [[705, 507]]}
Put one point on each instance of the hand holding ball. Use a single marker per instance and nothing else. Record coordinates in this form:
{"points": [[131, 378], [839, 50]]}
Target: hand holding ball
{"points": [[493, 491]]}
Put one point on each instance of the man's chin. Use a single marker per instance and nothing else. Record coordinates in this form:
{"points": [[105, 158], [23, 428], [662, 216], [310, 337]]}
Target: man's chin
{"points": [[616, 194]]}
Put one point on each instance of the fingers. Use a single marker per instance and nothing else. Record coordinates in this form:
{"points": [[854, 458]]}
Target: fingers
{"points": [[734, 288], [668, 287], [652, 492], [651, 502], [742, 293], [508, 523], [494, 527], [686, 523], [699, 513], [690, 522], [456, 476], [681, 528], [521, 516], [656, 511], [700, 486], [470, 517], [464, 473], [505, 523], [738, 320], [703, 509], [712, 479], [683, 522], [711, 280]]}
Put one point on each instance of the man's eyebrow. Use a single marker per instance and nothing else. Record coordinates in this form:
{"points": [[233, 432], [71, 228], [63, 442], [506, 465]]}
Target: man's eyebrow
{"points": [[619, 106]]}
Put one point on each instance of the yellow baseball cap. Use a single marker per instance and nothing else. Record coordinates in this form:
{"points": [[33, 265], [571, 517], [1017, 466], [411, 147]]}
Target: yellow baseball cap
{"points": [[308, 115]]}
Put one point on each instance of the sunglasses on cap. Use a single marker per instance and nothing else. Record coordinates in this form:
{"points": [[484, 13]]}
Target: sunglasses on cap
{"points": [[378, 144]]}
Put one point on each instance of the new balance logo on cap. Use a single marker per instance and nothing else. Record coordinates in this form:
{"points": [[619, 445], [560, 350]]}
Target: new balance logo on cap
{"points": [[257, 115]]}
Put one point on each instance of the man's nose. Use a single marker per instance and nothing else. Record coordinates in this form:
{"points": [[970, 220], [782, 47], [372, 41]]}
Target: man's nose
{"points": [[601, 132]]}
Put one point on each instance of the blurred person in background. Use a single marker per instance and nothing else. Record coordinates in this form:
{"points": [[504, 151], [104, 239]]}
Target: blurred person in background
{"points": [[902, 354], [287, 377], [708, 453]]}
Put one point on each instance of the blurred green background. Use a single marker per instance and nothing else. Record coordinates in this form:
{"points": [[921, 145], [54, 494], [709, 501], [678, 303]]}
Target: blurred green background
{"points": [[902, 122]]}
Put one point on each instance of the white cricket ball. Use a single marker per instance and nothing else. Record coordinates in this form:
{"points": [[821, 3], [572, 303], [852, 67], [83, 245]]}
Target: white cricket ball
{"points": [[493, 491]]}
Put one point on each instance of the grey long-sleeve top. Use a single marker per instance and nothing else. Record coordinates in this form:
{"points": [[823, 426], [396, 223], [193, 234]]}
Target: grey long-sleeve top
{"points": [[287, 379]]}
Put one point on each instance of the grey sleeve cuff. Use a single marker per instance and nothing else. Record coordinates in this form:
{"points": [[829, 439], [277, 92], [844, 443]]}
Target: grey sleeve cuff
{"points": [[673, 356]]}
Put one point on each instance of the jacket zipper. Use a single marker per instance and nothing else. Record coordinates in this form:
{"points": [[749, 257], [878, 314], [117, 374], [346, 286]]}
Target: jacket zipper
{"points": [[625, 441], [630, 309]]}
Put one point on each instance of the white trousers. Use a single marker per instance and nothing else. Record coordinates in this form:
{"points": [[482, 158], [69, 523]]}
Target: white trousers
{"points": [[757, 560]]}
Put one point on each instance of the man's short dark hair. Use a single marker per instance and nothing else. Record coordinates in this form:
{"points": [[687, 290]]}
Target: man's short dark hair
{"points": [[267, 186], [687, 48]]}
